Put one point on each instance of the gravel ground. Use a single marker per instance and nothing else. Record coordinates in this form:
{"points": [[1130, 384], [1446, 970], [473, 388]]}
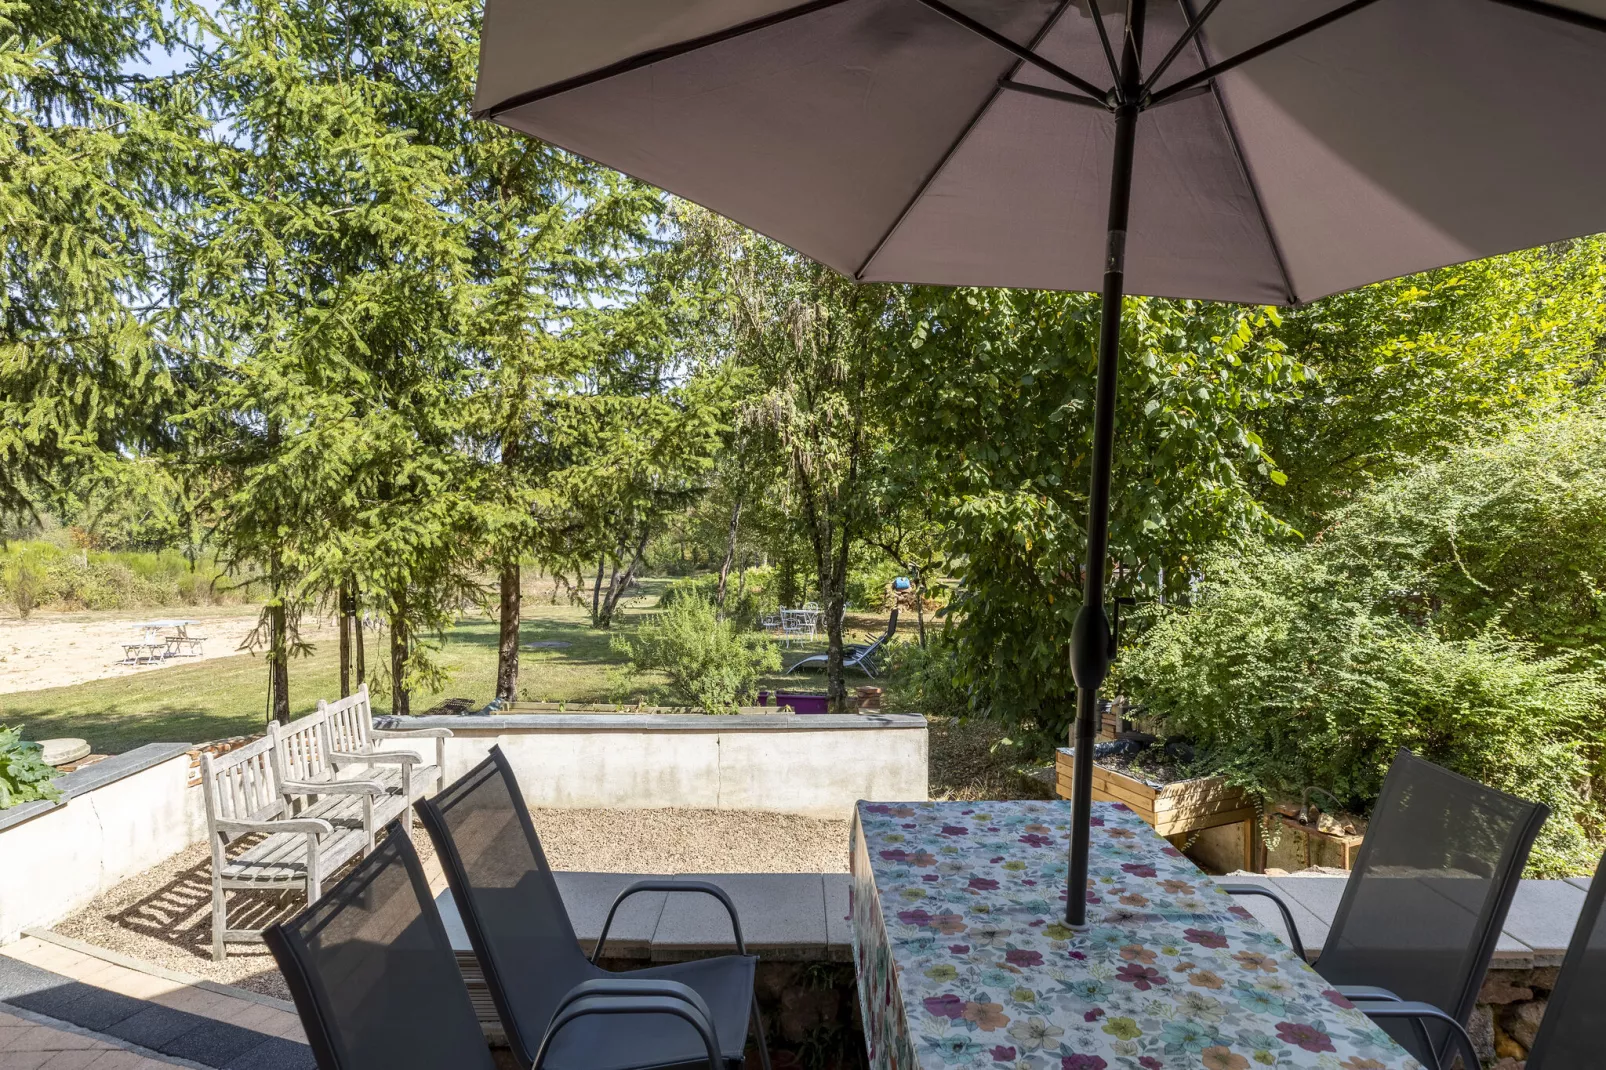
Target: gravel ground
{"points": [[165, 914]]}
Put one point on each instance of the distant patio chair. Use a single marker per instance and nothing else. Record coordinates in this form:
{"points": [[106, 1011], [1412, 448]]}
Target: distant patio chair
{"points": [[531, 958], [372, 973], [1424, 906], [861, 656]]}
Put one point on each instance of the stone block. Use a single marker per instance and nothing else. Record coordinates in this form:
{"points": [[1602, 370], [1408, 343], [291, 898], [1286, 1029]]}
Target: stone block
{"points": [[1480, 1027], [1521, 1021], [1542, 916], [780, 912], [1505, 986], [1544, 978]]}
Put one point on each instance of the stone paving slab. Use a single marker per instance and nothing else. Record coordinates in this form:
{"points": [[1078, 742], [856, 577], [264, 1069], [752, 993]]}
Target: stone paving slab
{"points": [[1312, 927], [1543, 914], [781, 913], [839, 916], [27, 1045]]}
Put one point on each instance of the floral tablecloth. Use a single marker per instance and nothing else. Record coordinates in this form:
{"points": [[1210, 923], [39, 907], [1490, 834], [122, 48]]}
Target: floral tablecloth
{"points": [[964, 959]]}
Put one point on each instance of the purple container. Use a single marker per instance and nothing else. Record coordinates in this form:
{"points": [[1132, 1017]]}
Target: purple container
{"points": [[803, 703]]}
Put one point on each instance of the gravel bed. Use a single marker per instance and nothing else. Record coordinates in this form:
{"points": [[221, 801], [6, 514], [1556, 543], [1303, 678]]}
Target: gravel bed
{"points": [[164, 915]]}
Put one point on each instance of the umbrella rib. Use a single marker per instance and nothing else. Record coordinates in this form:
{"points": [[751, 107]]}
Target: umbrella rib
{"points": [[1104, 39], [643, 59], [1214, 88], [1261, 49], [1052, 94], [1194, 26], [1561, 14], [1022, 52], [931, 176]]}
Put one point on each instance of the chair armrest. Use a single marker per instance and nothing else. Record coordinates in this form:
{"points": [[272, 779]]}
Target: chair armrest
{"points": [[1421, 1013], [331, 787], [315, 825], [1367, 994], [666, 1006], [391, 757], [701, 887], [1288, 918], [621, 986], [411, 733]]}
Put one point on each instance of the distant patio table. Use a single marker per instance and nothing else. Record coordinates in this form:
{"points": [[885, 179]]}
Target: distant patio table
{"points": [[964, 960]]}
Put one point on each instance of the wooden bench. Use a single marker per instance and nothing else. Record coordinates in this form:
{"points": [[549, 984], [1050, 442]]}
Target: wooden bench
{"points": [[245, 798], [353, 742], [309, 780]]}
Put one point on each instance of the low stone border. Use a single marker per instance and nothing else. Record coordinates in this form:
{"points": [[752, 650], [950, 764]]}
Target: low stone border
{"points": [[92, 777]]}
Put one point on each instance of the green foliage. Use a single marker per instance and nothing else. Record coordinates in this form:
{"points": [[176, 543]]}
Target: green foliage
{"points": [[711, 663], [1409, 369], [24, 777], [925, 678], [42, 574], [990, 398], [1452, 610], [747, 599]]}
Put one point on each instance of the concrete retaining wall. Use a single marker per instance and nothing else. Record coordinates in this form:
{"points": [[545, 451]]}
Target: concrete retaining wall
{"points": [[120, 816], [813, 765]]}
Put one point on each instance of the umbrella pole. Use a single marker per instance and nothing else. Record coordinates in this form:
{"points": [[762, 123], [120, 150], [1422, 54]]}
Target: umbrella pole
{"points": [[1091, 640]]}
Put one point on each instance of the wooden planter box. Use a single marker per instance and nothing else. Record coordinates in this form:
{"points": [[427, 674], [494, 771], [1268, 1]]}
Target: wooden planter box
{"points": [[1174, 811]]}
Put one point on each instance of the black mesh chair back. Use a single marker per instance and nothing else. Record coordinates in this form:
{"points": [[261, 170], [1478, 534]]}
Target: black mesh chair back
{"points": [[1425, 903], [1573, 1033], [372, 972], [508, 899]]}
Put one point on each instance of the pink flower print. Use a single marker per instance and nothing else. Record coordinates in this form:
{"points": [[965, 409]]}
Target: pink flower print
{"points": [[948, 1006], [1139, 976], [1337, 999], [893, 854], [1305, 1036], [1205, 937], [1171, 851], [1139, 869], [914, 917], [1033, 839], [1082, 1062], [1096, 822], [1003, 1054], [1149, 1062], [983, 884], [1093, 1015], [959, 949], [954, 830], [1018, 957]]}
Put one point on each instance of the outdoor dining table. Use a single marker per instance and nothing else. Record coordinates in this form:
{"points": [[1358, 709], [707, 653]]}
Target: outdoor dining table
{"points": [[964, 958]]}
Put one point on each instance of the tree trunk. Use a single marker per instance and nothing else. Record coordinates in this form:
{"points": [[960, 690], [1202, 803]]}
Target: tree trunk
{"points": [[920, 604], [619, 584], [278, 663], [356, 635], [398, 659], [507, 650], [730, 553], [596, 589], [344, 612]]}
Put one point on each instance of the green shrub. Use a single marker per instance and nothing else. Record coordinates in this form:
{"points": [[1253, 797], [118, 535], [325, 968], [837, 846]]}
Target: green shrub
{"points": [[24, 777], [923, 679], [711, 663], [38, 573], [747, 599], [1291, 671]]}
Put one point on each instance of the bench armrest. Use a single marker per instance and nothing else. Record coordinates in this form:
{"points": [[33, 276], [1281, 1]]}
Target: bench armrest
{"points": [[397, 757], [331, 787], [700, 887], [1288, 917], [316, 826]]}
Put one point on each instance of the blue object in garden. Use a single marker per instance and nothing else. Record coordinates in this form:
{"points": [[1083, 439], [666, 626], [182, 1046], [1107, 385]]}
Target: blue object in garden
{"points": [[901, 583]]}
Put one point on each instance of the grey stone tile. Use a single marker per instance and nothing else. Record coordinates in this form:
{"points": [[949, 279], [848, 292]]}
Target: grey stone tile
{"points": [[781, 913], [1319, 895], [81, 1004], [154, 1026], [587, 897], [1579, 882], [18, 978], [212, 1043], [1542, 916], [838, 916], [1312, 929], [275, 1053]]}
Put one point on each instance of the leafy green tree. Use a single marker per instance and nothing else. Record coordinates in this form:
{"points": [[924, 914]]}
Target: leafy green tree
{"points": [[711, 663], [994, 393], [1409, 369], [95, 165]]}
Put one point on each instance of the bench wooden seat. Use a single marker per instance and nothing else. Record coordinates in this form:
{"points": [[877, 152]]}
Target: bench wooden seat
{"points": [[245, 798], [312, 782]]}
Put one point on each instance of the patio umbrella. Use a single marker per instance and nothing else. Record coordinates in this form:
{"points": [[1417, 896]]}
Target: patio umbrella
{"points": [[1265, 151]]}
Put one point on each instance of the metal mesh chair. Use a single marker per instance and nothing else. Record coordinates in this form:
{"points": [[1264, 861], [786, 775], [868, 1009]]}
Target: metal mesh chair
{"points": [[531, 958], [1425, 903], [373, 975], [1573, 1033]]}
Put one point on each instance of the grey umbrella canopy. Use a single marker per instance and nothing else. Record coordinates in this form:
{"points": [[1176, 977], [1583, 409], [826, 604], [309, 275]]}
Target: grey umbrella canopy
{"points": [[1264, 151]]}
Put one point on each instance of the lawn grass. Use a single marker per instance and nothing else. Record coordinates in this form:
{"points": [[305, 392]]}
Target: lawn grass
{"points": [[228, 696]]}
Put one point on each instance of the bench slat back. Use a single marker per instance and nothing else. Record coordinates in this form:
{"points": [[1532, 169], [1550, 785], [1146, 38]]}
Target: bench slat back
{"points": [[299, 750], [350, 723], [240, 785]]}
